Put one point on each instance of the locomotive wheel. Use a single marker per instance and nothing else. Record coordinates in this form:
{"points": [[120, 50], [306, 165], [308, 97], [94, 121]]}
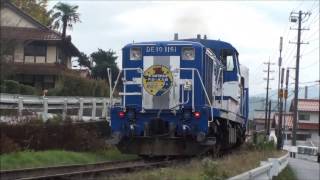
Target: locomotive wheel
{"points": [[216, 151]]}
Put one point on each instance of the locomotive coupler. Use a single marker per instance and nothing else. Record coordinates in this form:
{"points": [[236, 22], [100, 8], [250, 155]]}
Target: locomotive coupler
{"points": [[201, 136]]}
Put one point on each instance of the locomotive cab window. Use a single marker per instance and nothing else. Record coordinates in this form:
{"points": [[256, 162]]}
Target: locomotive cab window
{"points": [[135, 53], [227, 59], [188, 53]]}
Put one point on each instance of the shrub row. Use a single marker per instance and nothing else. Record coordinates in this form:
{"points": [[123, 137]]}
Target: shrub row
{"points": [[36, 135], [73, 85], [14, 87], [68, 84]]}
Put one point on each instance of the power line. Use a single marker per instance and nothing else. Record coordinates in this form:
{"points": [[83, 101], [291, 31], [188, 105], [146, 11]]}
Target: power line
{"points": [[310, 65], [303, 54]]}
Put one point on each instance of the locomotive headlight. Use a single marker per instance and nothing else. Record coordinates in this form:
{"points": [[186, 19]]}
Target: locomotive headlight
{"points": [[135, 53], [188, 53]]}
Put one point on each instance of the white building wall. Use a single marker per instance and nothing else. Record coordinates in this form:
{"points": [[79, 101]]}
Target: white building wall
{"points": [[40, 59], [19, 52], [51, 54], [313, 141], [10, 18], [315, 138]]}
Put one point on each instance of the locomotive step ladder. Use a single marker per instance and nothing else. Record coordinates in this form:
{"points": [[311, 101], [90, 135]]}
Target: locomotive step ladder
{"points": [[135, 81]]}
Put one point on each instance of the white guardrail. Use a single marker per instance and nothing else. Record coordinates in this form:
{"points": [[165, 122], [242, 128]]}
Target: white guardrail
{"points": [[266, 171], [43, 104]]}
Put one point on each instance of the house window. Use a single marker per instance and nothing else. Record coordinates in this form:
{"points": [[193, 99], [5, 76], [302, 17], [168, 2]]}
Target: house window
{"points": [[304, 116], [289, 136], [303, 137], [35, 49]]}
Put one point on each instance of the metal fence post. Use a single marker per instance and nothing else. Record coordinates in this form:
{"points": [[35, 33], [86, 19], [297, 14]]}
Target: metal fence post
{"points": [[65, 109], [94, 107], [45, 109], [104, 108], [80, 113], [108, 112], [20, 107]]}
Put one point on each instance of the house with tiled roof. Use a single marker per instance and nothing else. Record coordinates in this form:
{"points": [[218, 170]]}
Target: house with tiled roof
{"points": [[307, 123], [38, 54], [260, 121]]}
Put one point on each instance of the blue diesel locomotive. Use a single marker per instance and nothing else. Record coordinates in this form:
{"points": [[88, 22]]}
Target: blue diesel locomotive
{"points": [[180, 97]]}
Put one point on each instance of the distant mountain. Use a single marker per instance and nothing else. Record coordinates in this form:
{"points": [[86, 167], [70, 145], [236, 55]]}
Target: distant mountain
{"points": [[257, 102], [313, 92]]}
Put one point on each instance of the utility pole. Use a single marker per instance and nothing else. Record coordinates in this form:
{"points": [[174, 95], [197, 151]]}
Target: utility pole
{"points": [[279, 144], [306, 92], [267, 97], [294, 18], [285, 94], [269, 117], [279, 65]]}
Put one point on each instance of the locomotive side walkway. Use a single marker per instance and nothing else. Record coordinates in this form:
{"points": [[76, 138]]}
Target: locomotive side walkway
{"points": [[305, 170]]}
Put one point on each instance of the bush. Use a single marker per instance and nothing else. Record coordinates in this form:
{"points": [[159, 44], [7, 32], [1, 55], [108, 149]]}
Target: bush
{"points": [[73, 85], [8, 145], [2, 88], [11, 86], [27, 90], [54, 134], [210, 170]]}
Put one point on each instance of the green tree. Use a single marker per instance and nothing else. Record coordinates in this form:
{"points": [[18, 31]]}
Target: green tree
{"points": [[64, 15], [35, 8], [84, 60], [103, 60], [6, 50]]}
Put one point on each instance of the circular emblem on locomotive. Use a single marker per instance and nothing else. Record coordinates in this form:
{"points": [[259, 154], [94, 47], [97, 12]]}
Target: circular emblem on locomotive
{"points": [[157, 80]]}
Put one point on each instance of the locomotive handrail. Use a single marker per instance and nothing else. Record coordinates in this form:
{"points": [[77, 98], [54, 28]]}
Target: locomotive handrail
{"points": [[205, 91], [139, 70], [193, 70], [203, 87]]}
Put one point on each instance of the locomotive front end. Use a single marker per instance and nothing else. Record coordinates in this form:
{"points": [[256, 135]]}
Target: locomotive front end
{"points": [[163, 109]]}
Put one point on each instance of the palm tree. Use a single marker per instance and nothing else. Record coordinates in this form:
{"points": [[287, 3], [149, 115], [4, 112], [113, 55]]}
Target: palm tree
{"points": [[65, 14]]}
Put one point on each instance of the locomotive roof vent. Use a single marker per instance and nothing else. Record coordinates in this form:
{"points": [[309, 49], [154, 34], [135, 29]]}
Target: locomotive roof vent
{"points": [[205, 36], [198, 36], [176, 37]]}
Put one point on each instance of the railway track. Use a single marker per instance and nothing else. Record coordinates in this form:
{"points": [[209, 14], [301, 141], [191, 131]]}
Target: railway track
{"points": [[84, 171]]}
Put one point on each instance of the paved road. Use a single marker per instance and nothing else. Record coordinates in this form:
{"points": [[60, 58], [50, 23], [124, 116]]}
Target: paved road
{"points": [[305, 170]]}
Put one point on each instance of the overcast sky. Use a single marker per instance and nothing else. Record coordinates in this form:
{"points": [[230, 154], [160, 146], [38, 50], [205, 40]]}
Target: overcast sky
{"points": [[253, 28]]}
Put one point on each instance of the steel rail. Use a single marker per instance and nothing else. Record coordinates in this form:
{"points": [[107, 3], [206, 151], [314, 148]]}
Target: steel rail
{"points": [[80, 171], [30, 173]]}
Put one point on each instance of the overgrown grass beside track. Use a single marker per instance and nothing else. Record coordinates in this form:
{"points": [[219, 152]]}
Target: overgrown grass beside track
{"points": [[31, 159], [204, 169], [286, 174]]}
